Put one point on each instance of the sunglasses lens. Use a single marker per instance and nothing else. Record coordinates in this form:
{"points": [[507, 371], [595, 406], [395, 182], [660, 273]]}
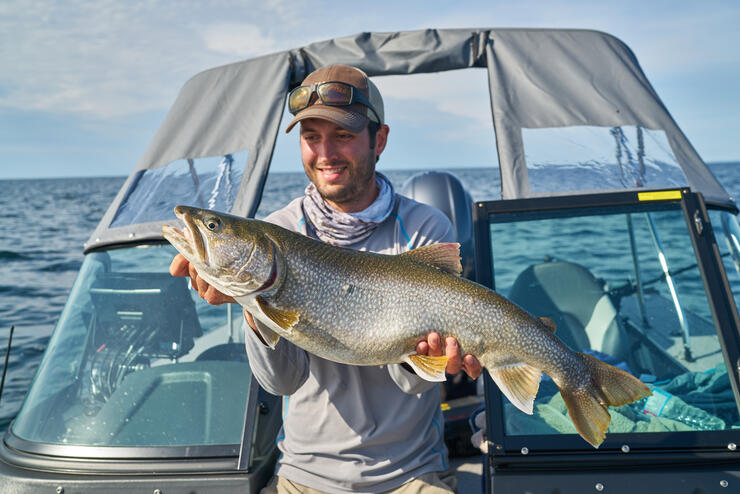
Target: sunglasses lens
{"points": [[335, 93], [298, 99]]}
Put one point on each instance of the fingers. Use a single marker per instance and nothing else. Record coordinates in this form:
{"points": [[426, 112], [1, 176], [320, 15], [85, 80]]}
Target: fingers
{"points": [[250, 320], [455, 360], [472, 366], [431, 346], [179, 266], [435, 344], [195, 279], [422, 348]]}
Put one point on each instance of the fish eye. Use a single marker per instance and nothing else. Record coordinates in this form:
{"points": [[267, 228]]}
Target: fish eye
{"points": [[213, 224]]}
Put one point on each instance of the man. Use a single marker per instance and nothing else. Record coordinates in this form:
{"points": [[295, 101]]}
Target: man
{"points": [[351, 428]]}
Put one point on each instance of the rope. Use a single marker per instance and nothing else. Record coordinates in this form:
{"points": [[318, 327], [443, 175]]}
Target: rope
{"points": [[224, 175]]}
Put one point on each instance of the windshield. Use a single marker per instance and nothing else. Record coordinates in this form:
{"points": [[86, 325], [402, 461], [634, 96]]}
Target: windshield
{"points": [[206, 183], [623, 286], [138, 359], [585, 158]]}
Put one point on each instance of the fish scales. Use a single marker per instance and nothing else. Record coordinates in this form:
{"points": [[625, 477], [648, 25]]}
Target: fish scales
{"points": [[430, 301], [396, 313], [364, 308]]}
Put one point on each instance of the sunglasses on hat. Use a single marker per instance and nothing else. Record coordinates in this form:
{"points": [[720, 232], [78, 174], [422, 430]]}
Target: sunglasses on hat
{"points": [[331, 93]]}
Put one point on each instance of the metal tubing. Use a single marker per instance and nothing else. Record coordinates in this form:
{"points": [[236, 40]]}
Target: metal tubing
{"points": [[638, 280], [672, 287]]}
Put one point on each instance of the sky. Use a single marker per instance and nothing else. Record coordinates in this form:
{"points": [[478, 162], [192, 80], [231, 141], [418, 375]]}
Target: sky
{"points": [[84, 85]]}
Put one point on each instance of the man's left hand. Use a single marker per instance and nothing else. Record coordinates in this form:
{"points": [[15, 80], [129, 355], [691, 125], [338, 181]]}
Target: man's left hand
{"points": [[455, 362]]}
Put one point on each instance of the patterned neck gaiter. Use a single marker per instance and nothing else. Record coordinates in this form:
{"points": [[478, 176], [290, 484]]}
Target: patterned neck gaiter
{"points": [[338, 228]]}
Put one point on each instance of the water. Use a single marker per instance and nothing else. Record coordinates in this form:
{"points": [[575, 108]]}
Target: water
{"points": [[45, 222]]}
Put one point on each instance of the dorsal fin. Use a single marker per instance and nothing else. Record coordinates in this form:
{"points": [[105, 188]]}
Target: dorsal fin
{"points": [[445, 256]]}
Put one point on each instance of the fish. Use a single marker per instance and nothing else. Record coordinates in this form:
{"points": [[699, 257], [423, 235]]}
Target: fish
{"points": [[364, 308]]}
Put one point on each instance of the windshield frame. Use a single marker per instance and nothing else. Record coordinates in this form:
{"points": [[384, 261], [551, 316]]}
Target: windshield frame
{"points": [[506, 448]]}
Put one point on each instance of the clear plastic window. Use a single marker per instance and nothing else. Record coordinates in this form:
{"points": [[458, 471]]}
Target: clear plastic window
{"points": [[210, 183], [727, 233], [599, 158], [138, 359], [625, 287]]}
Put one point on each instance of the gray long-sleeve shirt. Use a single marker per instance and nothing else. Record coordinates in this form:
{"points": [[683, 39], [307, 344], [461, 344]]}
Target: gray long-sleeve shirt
{"points": [[355, 428]]}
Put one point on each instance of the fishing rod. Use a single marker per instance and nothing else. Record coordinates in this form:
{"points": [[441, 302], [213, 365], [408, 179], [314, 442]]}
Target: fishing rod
{"points": [[7, 357]]}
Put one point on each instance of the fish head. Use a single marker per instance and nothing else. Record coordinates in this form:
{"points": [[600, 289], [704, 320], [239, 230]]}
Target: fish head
{"points": [[233, 254]]}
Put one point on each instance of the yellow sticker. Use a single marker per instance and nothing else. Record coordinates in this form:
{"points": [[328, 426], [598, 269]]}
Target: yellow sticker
{"points": [[445, 407], [659, 195]]}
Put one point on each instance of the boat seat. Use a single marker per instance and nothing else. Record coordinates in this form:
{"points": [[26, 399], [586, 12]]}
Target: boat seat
{"points": [[128, 305], [444, 191], [576, 301]]}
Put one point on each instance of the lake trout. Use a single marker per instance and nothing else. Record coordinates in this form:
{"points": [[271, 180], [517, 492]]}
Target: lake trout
{"points": [[364, 308]]}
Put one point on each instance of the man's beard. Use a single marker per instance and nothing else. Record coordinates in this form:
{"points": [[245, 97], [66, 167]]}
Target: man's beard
{"points": [[352, 189]]}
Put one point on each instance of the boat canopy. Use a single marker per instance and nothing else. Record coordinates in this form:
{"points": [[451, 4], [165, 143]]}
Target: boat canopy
{"points": [[215, 145]]}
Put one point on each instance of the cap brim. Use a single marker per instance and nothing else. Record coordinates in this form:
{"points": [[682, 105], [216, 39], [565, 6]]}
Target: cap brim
{"points": [[342, 116]]}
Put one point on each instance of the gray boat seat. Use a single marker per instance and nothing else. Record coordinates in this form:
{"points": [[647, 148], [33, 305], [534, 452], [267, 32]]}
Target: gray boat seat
{"points": [[444, 191], [576, 301]]}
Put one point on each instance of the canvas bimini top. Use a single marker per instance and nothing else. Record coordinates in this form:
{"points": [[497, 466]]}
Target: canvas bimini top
{"points": [[548, 88]]}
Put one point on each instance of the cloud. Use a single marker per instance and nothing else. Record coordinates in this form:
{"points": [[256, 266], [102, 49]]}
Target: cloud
{"points": [[458, 92], [107, 58], [240, 39]]}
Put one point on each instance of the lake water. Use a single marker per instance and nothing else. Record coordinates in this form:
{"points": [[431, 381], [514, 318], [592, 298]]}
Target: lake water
{"points": [[45, 222]]}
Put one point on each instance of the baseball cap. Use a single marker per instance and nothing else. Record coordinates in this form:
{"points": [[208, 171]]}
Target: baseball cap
{"points": [[354, 117]]}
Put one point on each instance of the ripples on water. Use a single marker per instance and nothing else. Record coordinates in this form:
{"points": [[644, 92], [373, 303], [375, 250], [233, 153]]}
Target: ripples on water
{"points": [[43, 225], [45, 222]]}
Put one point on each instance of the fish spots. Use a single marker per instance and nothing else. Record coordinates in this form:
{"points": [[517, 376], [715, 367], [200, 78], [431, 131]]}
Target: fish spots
{"points": [[348, 289]]}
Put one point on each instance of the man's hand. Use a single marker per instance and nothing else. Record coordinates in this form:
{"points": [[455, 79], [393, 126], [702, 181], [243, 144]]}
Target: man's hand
{"points": [[250, 320], [455, 362], [182, 267]]}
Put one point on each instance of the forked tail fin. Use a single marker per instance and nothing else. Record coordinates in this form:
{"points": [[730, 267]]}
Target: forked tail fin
{"points": [[588, 405]]}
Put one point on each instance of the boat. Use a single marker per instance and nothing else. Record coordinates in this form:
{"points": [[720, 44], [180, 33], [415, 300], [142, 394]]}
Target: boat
{"points": [[608, 222]]}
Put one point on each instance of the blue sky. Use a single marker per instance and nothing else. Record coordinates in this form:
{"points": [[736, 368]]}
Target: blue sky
{"points": [[84, 85]]}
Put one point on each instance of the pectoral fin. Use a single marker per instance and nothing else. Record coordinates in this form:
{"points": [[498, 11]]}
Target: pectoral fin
{"points": [[283, 318], [428, 367], [519, 382], [268, 336]]}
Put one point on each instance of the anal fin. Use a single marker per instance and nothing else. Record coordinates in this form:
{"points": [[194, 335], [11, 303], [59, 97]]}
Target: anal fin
{"points": [[428, 367], [519, 382]]}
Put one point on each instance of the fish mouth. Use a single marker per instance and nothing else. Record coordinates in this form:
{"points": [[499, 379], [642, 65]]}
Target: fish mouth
{"points": [[189, 238]]}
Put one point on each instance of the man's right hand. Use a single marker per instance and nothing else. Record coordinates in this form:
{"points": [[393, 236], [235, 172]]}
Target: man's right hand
{"points": [[182, 267]]}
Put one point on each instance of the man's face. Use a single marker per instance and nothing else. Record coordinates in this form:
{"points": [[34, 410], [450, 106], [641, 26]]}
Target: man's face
{"points": [[340, 163]]}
